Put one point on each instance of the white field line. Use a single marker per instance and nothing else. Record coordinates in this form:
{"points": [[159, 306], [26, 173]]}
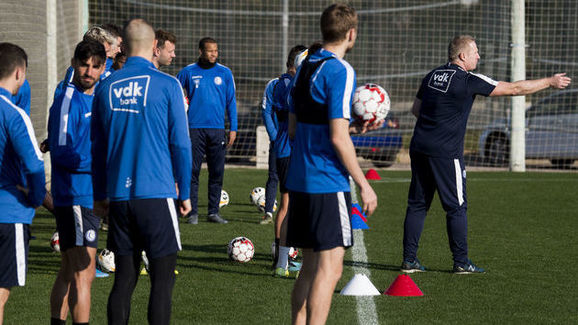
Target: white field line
{"points": [[366, 313]]}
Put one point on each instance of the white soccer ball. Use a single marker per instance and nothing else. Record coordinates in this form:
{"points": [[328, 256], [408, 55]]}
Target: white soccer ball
{"points": [[106, 261], [241, 249], [371, 103], [55, 242], [224, 199], [255, 194], [261, 203]]}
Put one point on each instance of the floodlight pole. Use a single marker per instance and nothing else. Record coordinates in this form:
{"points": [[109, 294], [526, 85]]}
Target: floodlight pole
{"points": [[518, 67]]}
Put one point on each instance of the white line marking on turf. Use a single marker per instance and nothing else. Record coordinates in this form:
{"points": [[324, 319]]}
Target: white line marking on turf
{"points": [[366, 313]]}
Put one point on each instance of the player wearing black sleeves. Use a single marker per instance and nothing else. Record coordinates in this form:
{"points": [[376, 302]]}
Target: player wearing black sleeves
{"points": [[442, 106]]}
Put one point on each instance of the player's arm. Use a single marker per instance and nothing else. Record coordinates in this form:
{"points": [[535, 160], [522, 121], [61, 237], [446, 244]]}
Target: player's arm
{"points": [[526, 87], [62, 131], [416, 107], [341, 140], [180, 148], [22, 137], [267, 109], [99, 152], [231, 110]]}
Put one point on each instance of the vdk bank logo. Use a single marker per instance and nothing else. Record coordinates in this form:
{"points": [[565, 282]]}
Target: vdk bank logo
{"points": [[441, 79], [130, 94]]}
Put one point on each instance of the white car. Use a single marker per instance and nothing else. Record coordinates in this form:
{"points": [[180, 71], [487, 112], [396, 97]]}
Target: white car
{"points": [[551, 132]]}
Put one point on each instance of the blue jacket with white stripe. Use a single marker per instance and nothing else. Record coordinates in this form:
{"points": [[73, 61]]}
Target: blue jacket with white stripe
{"points": [[19, 155], [140, 137], [69, 140]]}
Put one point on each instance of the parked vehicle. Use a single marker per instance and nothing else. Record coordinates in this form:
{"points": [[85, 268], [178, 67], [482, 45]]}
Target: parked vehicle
{"points": [[380, 146], [551, 132]]}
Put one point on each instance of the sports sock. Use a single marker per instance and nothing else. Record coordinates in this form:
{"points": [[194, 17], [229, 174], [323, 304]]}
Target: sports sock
{"points": [[283, 258], [162, 275], [276, 254], [57, 321], [125, 279]]}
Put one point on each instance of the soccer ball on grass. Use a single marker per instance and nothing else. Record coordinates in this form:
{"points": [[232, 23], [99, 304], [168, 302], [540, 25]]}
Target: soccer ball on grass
{"points": [[55, 242], [240, 249], [224, 199], [106, 261]]}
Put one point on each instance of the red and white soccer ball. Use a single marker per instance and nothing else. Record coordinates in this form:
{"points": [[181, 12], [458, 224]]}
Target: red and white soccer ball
{"points": [[241, 249], [293, 252], [371, 103], [55, 242]]}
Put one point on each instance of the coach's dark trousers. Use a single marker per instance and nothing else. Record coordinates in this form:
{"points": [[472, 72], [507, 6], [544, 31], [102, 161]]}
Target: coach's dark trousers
{"points": [[212, 143], [448, 177]]}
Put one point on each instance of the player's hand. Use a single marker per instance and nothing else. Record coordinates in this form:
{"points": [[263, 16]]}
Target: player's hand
{"points": [[44, 147], [560, 81], [101, 208], [369, 199], [232, 137], [361, 127], [22, 189], [185, 207]]}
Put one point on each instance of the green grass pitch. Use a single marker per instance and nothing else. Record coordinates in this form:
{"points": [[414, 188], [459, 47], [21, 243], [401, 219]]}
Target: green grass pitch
{"points": [[523, 228]]}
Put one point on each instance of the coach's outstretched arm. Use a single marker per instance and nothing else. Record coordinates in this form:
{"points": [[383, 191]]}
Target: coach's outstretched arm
{"points": [[526, 87]]}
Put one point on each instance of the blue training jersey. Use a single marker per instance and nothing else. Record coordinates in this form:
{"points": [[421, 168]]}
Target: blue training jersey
{"points": [[268, 113], [140, 138], [22, 98], [327, 92], [447, 94], [69, 141], [282, 143], [211, 92], [19, 155]]}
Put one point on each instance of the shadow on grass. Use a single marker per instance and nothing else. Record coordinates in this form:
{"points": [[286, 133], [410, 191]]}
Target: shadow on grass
{"points": [[387, 267], [221, 263]]}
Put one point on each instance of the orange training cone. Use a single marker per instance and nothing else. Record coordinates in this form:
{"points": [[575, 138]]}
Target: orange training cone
{"points": [[372, 175], [403, 286]]}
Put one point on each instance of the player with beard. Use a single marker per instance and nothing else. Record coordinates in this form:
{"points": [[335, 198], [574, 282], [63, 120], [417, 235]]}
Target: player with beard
{"points": [[69, 140]]}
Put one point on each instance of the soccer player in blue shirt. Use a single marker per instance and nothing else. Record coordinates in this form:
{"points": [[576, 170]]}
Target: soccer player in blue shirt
{"points": [[69, 140], [442, 107], [210, 88], [141, 148], [164, 51], [276, 116], [322, 158], [19, 158]]}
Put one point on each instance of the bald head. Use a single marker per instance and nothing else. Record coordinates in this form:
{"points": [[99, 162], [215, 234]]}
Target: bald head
{"points": [[140, 38]]}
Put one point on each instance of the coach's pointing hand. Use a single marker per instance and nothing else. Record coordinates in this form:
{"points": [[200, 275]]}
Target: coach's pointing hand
{"points": [[560, 81]]}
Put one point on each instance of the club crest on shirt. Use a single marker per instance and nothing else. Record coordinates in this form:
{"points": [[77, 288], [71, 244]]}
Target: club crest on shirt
{"points": [[130, 94], [90, 235], [218, 81], [441, 79]]}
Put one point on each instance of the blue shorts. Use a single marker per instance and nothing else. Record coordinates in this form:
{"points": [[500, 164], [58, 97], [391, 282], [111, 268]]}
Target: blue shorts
{"points": [[319, 221], [282, 165], [149, 224], [77, 227], [14, 238]]}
